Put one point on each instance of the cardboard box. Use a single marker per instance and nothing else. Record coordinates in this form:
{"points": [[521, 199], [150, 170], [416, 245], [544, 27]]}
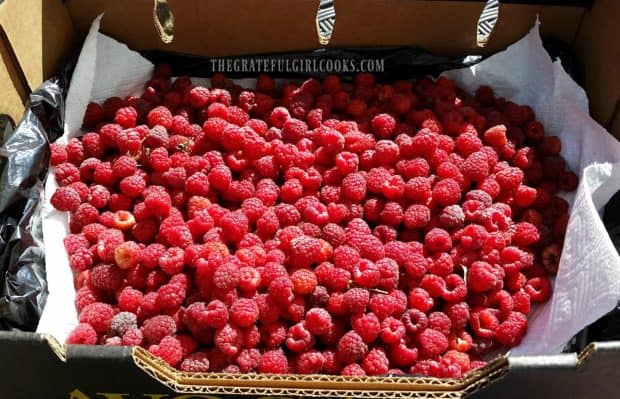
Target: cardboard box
{"points": [[36, 38]]}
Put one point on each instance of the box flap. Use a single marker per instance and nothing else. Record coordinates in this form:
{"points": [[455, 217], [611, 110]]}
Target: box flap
{"points": [[41, 34], [208, 28], [444, 27], [13, 83], [598, 50]]}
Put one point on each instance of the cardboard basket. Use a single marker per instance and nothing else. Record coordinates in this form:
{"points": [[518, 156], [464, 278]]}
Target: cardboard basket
{"points": [[38, 36]]}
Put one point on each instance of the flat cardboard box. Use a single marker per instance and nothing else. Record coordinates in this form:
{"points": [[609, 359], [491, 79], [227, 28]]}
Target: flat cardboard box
{"points": [[38, 36]]}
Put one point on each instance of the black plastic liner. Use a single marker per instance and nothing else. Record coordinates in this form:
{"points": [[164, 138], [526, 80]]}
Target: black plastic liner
{"points": [[24, 158]]}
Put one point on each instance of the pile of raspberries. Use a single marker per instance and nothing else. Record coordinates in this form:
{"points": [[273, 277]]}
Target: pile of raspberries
{"points": [[323, 227]]}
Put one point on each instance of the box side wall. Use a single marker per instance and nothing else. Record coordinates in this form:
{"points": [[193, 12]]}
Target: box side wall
{"points": [[598, 50], [445, 27], [41, 33], [208, 28]]}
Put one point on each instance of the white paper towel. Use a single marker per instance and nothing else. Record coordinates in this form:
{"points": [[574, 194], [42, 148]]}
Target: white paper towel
{"points": [[588, 281]]}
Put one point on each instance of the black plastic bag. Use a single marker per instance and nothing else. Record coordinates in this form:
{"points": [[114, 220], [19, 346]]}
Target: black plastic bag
{"points": [[24, 158]]}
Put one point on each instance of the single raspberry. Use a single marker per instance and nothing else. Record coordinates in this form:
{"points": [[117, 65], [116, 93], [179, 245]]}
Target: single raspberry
{"points": [[170, 297], [509, 178], [281, 291], [383, 125], [417, 216], [160, 116], [538, 288], [482, 277], [158, 203], [158, 327], [98, 315], [169, 350], [318, 321], [93, 115], [228, 340], [392, 330], [126, 117], [123, 322], [65, 199], [376, 362], [310, 362], [129, 299], [351, 348], [299, 339], [82, 334], [234, 226], [244, 312], [273, 362], [525, 234], [127, 255], [106, 277], [304, 281], [438, 240], [446, 192], [511, 330], [432, 342], [353, 370], [356, 300], [304, 252], [197, 362], [354, 187]]}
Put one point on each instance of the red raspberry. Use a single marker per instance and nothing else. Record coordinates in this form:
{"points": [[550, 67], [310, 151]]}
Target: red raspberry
{"points": [[417, 216], [228, 340], [106, 277], [351, 348], [126, 117], [382, 305], [467, 143], [495, 135], [525, 234], [383, 125], [65, 199], [244, 312], [392, 330], [169, 350], [354, 187], [58, 154], [376, 362], [318, 321], [273, 362], [538, 289], [438, 240], [476, 166], [353, 370], [93, 115], [439, 321], [432, 342], [160, 116], [281, 291], [446, 192], [197, 362], [226, 276], [304, 252], [75, 151], [356, 300], [82, 334], [511, 330], [367, 326], [299, 338], [509, 178], [66, 173], [158, 327], [98, 315], [304, 281], [310, 362]]}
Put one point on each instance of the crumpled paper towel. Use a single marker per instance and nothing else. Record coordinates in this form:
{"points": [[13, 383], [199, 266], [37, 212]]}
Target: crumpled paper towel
{"points": [[588, 282]]}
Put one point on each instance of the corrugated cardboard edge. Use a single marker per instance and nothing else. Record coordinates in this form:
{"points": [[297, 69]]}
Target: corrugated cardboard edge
{"points": [[305, 385]]}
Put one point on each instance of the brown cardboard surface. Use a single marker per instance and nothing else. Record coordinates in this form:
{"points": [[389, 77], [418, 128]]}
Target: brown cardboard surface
{"points": [[598, 52], [444, 27], [41, 34], [13, 86], [214, 27]]}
